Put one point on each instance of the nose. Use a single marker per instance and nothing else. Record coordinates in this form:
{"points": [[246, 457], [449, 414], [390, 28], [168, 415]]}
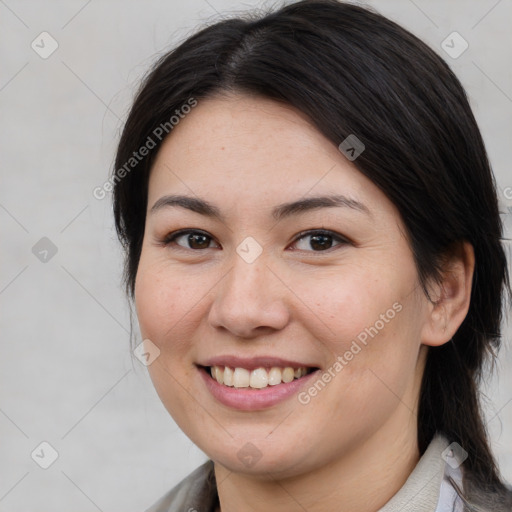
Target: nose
{"points": [[250, 300]]}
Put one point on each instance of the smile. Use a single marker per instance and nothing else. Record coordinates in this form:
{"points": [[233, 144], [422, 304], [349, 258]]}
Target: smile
{"points": [[257, 387], [258, 378]]}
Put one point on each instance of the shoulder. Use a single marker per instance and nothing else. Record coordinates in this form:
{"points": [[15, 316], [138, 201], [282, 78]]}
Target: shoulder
{"points": [[197, 491]]}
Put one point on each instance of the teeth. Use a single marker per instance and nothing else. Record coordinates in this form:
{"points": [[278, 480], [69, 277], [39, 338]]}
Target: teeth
{"points": [[219, 375], [258, 378], [241, 378], [288, 374], [274, 376], [228, 376]]}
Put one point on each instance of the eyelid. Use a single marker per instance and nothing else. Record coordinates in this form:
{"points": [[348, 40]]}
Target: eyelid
{"points": [[167, 240]]}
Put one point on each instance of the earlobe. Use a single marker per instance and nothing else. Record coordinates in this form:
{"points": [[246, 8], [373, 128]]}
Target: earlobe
{"points": [[446, 312]]}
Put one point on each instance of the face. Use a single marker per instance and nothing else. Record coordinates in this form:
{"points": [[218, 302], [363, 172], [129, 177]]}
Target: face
{"points": [[253, 287]]}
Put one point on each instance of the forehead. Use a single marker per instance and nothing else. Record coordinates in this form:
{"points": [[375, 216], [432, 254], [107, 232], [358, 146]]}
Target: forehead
{"points": [[228, 129], [254, 151]]}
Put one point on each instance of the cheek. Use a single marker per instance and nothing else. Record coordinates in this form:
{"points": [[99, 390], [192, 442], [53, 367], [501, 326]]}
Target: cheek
{"points": [[371, 320], [380, 353], [346, 302], [160, 301]]}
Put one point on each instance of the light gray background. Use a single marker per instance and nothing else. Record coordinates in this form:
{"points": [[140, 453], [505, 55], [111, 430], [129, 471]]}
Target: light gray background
{"points": [[67, 377]]}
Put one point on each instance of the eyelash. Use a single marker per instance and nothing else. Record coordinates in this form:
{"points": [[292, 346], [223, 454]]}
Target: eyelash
{"points": [[171, 237]]}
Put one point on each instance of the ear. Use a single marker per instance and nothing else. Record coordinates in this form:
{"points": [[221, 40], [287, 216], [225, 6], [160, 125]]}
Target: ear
{"points": [[451, 297]]}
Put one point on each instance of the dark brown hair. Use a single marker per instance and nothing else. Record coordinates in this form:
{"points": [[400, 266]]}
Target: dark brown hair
{"points": [[353, 71]]}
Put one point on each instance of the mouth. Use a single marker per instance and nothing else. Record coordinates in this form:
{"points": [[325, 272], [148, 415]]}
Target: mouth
{"points": [[256, 378], [254, 383]]}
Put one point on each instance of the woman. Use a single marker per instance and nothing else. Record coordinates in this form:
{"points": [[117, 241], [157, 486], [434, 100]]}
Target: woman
{"points": [[313, 247]]}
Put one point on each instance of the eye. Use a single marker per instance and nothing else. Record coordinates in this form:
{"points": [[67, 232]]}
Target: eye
{"points": [[321, 240], [197, 239]]}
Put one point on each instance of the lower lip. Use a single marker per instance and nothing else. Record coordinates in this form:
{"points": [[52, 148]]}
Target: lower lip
{"points": [[249, 399]]}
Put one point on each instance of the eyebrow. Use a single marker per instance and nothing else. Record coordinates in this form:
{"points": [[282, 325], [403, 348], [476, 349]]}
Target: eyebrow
{"points": [[281, 211]]}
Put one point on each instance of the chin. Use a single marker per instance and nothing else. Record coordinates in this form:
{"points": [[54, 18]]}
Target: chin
{"points": [[260, 458]]}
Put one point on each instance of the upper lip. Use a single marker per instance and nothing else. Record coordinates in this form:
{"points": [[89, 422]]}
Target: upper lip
{"points": [[251, 363]]}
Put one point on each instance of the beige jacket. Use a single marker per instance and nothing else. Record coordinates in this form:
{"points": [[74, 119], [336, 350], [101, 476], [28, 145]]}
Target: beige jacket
{"points": [[431, 487]]}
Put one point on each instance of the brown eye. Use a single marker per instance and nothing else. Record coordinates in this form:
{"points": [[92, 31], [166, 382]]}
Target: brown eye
{"points": [[320, 241], [195, 239]]}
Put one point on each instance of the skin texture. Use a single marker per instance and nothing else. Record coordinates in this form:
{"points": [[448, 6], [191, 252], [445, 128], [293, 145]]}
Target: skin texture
{"points": [[354, 444]]}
